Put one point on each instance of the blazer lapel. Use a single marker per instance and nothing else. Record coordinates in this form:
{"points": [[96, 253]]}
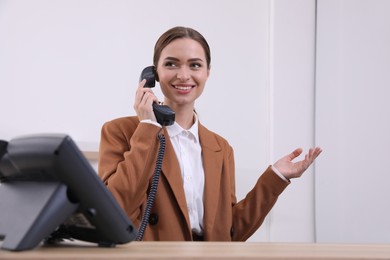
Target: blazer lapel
{"points": [[212, 163], [171, 171]]}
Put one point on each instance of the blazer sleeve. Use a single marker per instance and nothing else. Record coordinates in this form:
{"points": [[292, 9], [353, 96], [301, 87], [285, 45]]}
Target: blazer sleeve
{"points": [[250, 212], [126, 161]]}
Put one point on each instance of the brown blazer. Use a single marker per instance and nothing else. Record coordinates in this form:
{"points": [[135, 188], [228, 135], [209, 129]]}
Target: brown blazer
{"points": [[128, 152]]}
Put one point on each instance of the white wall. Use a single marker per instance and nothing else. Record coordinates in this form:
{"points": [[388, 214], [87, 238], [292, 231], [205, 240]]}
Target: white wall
{"points": [[352, 121], [292, 112]]}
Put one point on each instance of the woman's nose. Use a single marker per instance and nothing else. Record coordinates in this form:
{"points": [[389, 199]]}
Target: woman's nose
{"points": [[183, 74]]}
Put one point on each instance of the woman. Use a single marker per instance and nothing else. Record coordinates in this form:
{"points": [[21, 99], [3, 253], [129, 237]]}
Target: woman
{"points": [[196, 197]]}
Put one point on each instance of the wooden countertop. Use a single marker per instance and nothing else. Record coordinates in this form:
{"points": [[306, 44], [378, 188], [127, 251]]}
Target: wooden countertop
{"points": [[204, 250]]}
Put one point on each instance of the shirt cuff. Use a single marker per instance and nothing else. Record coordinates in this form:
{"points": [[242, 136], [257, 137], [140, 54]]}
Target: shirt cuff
{"points": [[279, 174], [150, 121]]}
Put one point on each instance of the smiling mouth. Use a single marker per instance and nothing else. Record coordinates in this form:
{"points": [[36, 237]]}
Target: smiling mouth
{"points": [[184, 88]]}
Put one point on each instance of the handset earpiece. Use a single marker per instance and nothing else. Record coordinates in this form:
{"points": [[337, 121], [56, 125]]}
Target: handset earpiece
{"points": [[165, 115], [148, 73]]}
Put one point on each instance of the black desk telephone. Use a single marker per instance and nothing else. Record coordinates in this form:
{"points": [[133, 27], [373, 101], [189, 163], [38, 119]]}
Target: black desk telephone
{"points": [[164, 114]]}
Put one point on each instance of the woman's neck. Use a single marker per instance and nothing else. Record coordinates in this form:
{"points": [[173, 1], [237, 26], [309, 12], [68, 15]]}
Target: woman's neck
{"points": [[185, 120], [184, 115]]}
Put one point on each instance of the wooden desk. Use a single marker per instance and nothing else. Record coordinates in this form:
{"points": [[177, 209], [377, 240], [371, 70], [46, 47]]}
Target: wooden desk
{"points": [[204, 250]]}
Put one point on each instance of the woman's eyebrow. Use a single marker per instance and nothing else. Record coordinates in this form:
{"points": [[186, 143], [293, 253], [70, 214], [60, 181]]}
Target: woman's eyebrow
{"points": [[176, 59], [195, 59], [172, 58]]}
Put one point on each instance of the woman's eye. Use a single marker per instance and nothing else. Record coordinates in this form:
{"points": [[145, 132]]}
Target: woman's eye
{"points": [[196, 65], [169, 64]]}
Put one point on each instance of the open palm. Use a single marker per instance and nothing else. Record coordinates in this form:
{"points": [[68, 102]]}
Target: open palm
{"points": [[291, 169]]}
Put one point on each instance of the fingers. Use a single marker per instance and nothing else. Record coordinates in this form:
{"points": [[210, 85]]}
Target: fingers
{"points": [[147, 99], [317, 151], [295, 154], [312, 155], [141, 91], [314, 152], [143, 95], [291, 169], [144, 98], [309, 157]]}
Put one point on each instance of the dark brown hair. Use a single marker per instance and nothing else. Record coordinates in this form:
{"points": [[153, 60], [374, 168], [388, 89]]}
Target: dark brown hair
{"points": [[180, 32]]}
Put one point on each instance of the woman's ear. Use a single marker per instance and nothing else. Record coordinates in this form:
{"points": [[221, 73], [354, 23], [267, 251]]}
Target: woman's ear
{"points": [[156, 74]]}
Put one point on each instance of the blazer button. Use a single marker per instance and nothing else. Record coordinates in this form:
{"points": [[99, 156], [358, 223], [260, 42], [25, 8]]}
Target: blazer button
{"points": [[153, 219]]}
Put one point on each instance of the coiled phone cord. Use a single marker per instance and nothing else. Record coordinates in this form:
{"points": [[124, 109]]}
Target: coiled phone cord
{"points": [[153, 188]]}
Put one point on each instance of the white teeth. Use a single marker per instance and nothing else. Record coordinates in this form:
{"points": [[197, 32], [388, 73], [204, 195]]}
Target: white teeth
{"points": [[182, 88]]}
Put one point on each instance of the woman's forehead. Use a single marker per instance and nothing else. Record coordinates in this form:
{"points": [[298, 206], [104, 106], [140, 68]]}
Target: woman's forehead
{"points": [[184, 48]]}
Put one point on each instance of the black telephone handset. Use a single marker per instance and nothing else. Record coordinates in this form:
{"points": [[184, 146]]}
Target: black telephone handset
{"points": [[165, 115]]}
